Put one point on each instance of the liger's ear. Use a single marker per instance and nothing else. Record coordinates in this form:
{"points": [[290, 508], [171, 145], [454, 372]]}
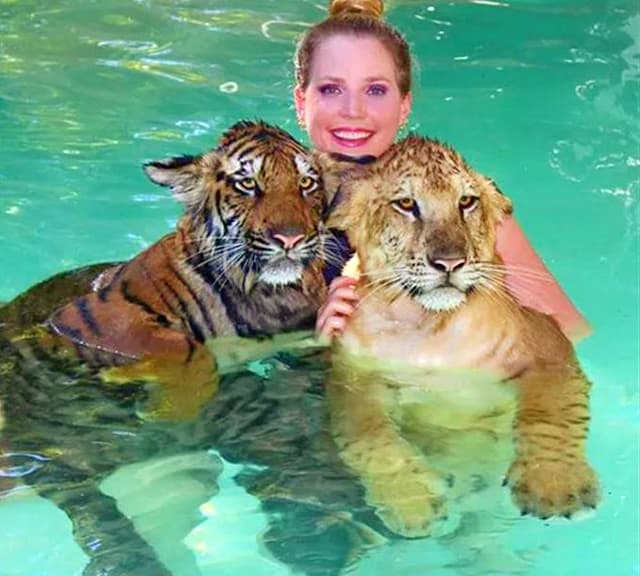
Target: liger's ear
{"points": [[502, 204], [183, 174], [339, 214]]}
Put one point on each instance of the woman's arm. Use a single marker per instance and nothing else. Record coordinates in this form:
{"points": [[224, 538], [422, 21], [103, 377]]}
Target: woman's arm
{"points": [[529, 280]]}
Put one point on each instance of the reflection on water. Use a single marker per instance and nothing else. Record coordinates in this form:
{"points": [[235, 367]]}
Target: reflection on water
{"points": [[547, 106]]}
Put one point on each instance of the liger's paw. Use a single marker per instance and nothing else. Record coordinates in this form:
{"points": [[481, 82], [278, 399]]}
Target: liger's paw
{"points": [[547, 488], [411, 505]]}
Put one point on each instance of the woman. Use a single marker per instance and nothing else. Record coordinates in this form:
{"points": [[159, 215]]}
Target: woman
{"points": [[352, 95]]}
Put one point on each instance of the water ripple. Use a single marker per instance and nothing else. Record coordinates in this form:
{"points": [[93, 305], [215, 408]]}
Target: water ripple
{"points": [[20, 464]]}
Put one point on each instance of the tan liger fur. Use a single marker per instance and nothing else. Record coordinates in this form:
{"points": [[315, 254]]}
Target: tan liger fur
{"points": [[442, 384]]}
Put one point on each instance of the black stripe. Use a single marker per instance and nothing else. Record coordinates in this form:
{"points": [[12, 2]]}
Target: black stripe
{"points": [[172, 163], [203, 310], [64, 330], [192, 349], [129, 297], [164, 299], [84, 310], [103, 293], [150, 277], [193, 326], [236, 147], [218, 200], [229, 299]]}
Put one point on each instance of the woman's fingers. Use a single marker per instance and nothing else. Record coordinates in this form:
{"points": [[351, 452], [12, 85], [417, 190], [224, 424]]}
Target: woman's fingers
{"points": [[341, 282], [340, 304]]}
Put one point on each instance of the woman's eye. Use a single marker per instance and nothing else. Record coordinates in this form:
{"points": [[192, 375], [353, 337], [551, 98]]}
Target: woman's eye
{"points": [[329, 89], [467, 203], [377, 90]]}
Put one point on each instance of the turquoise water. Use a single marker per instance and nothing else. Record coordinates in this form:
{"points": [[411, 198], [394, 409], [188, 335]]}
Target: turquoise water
{"points": [[541, 96]]}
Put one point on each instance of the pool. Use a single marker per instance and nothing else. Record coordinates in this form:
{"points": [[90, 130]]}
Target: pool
{"points": [[542, 96]]}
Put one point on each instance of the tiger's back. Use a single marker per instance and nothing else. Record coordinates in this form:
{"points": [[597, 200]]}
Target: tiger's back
{"points": [[246, 259]]}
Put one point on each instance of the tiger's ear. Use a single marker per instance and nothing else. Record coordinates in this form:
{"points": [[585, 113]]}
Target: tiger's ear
{"points": [[183, 174]]}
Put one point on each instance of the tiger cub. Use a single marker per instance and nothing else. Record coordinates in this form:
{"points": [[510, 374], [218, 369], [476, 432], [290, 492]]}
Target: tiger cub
{"points": [[442, 384], [246, 259]]}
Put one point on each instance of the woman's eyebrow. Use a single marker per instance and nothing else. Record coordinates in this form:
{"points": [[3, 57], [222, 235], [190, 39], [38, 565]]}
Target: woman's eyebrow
{"points": [[368, 79], [330, 79], [377, 79]]}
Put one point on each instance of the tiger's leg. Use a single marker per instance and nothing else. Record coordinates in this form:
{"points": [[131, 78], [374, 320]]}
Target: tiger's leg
{"points": [[106, 535], [179, 386], [550, 474], [142, 346], [406, 492]]}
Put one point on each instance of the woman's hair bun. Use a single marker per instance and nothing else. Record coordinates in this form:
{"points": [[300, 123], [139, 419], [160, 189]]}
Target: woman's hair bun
{"points": [[370, 8]]}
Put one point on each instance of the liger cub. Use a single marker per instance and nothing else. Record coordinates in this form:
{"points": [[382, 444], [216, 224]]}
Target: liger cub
{"points": [[246, 259], [442, 384]]}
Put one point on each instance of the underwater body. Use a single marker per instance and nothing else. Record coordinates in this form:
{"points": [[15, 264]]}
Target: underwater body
{"points": [[547, 108]]}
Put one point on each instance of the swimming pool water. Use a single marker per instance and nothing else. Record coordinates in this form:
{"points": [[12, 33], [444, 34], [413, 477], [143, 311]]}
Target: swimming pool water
{"points": [[542, 96]]}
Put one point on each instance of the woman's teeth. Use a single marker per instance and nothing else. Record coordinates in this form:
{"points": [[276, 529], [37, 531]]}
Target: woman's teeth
{"points": [[351, 134]]}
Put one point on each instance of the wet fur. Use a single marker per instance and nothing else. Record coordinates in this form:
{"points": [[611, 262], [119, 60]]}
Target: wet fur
{"points": [[224, 271], [147, 319], [441, 376]]}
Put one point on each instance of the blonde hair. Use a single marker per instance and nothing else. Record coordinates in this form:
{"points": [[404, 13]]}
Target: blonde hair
{"points": [[372, 8], [356, 18]]}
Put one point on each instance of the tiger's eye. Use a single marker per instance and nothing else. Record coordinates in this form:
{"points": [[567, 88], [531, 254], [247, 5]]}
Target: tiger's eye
{"points": [[306, 182], [248, 183]]}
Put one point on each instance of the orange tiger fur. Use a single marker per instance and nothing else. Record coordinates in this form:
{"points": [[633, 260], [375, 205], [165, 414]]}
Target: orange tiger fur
{"points": [[246, 259], [440, 374]]}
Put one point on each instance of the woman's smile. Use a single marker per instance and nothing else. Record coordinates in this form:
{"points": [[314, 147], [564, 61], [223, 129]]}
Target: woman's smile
{"points": [[353, 103]]}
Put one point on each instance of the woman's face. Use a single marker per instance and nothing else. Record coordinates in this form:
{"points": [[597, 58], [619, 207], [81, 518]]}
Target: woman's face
{"points": [[353, 104]]}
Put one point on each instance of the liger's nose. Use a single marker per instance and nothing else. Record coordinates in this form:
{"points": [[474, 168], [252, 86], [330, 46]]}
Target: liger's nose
{"points": [[447, 264]]}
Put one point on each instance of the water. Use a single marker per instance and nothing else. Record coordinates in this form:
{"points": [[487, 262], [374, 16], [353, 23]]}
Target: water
{"points": [[541, 96]]}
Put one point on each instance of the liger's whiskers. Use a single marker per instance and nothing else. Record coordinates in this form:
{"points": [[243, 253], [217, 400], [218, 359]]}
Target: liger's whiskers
{"points": [[521, 272]]}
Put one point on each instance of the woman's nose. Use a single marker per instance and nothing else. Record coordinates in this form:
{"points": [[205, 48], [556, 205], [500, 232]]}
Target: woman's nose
{"points": [[353, 106]]}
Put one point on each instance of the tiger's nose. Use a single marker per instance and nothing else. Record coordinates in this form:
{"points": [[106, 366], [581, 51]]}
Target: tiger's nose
{"points": [[447, 264], [288, 242]]}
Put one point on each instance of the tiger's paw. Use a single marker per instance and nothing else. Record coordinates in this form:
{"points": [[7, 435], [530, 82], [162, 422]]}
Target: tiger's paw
{"points": [[177, 390], [548, 488], [410, 505]]}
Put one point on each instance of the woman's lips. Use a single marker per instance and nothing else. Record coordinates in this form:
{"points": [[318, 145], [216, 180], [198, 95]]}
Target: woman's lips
{"points": [[351, 138]]}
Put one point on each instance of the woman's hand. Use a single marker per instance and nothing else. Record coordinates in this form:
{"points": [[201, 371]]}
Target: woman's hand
{"points": [[339, 305]]}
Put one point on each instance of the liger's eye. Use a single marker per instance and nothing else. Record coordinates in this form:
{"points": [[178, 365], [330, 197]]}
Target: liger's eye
{"points": [[406, 204], [467, 202], [307, 183]]}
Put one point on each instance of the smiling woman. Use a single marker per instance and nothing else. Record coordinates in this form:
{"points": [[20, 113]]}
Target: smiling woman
{"points": [[353, 93], [352, 103], [353, 80]]}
